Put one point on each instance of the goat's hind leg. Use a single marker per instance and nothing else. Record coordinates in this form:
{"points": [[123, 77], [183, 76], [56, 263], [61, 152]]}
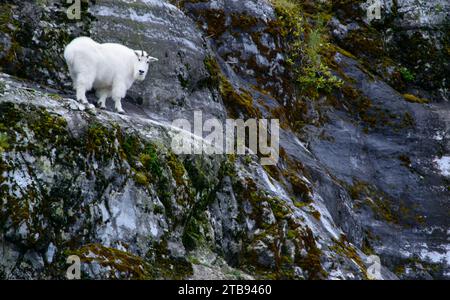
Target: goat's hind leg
{"points": [[81, 90], [83, 83], [102, 96]]}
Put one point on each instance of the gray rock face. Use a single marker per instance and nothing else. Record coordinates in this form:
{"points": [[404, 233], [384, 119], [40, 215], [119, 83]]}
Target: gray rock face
{"points": [[430, 14], [414, 34], [393, 157], [397, 153], [240, 34], [370, 179]]}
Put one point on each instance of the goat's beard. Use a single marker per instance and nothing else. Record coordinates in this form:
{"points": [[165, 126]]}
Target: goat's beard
{"points": [[140, 78]]}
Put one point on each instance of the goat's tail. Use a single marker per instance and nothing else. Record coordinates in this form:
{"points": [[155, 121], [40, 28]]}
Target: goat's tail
{"points": [[69, 55]]}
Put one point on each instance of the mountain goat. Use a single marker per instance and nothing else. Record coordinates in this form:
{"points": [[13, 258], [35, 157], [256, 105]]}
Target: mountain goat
{"points": [[110, 69]]}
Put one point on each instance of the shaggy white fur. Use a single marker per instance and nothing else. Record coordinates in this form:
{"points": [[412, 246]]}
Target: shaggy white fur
{"points": [[110, 69]]}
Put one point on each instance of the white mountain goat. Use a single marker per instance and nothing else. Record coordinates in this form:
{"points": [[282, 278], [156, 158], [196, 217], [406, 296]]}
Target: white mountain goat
{"points": [[110, 69]]}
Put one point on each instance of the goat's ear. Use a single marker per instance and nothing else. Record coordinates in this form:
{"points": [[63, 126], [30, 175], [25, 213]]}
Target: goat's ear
{"points": [[137, 53], [152, 59]]}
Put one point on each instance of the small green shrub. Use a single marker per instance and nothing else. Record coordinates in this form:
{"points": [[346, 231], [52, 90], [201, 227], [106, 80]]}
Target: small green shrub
{"points": [[306, 48], [3, 142], [141, 178], [151, 161], [407, 75]]}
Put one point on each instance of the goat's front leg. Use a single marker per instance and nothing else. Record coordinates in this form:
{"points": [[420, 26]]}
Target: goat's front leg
{"points": [[118, 105], [118, 93]]}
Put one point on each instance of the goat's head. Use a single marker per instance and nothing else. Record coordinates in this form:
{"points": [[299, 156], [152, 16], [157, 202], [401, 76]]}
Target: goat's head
{"points": [[142, 63]]}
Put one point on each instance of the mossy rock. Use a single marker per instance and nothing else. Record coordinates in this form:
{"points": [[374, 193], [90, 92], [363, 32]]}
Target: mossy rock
{"points": [[414, 99]]}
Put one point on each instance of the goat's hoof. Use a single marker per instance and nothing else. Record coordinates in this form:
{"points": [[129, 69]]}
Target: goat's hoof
{"points": [[122, 112], [102, 107]]}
